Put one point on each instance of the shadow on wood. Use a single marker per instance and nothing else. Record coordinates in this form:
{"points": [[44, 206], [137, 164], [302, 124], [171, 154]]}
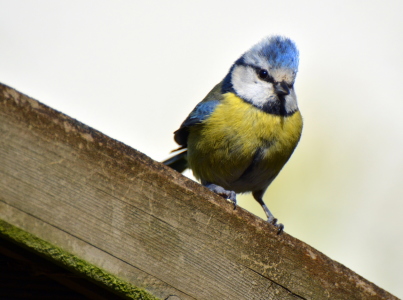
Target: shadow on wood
{"points": [[117, 209]]}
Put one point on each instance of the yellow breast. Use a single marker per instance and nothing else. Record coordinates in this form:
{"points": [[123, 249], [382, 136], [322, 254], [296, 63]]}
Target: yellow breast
{"points": [[224, 145]]}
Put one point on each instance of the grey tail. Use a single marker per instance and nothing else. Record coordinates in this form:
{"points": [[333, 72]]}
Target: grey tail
{"points": [[178, 162]]}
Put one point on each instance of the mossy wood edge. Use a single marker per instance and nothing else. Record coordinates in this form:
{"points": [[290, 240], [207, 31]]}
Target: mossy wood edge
{"points": [[72, 262], [118, 210]]}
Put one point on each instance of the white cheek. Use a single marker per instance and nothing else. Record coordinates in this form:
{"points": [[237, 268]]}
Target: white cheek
{"points": [[248, 86]]}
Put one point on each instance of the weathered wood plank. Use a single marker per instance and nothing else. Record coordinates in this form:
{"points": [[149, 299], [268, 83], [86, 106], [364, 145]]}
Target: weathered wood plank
{"points": [[133, 217]]}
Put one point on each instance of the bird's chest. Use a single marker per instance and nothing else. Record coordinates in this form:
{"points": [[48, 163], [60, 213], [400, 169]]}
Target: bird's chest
{"points": [[241, 128], [236, 132]]}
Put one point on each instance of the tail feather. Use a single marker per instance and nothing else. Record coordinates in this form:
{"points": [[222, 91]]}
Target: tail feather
{"points": [[178, 162]]}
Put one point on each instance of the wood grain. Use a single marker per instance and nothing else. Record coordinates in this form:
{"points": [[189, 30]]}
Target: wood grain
{"points": [[145, 223]]}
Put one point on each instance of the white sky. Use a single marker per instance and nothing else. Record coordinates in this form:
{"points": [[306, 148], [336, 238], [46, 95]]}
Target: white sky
{"points": [[135, 69]]}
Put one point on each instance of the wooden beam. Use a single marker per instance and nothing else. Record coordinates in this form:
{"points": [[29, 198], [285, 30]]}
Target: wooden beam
{"points": [[112, 206]]}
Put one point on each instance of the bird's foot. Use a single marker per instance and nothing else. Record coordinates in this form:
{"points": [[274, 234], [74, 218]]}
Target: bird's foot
{"points": [[280, 227], [231, 195], [270, 218]]}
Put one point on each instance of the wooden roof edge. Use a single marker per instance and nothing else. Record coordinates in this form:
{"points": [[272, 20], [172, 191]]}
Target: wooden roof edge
{"points": [[238, 226]]}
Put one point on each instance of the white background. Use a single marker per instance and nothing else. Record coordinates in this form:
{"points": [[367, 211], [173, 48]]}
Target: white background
{"points": [[135, 69]]}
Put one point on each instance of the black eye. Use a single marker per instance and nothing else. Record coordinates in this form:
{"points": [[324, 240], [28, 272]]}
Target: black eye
{"points": [[263, 74]]}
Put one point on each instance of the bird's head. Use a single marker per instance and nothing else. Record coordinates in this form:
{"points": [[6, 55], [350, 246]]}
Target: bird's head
{"points": [[264, 76]]}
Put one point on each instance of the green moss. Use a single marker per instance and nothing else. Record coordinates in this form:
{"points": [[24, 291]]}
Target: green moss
{"points": [[72, 262]]}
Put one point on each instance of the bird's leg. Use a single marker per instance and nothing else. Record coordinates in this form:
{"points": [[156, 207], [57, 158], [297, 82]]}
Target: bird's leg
{"points": [[231, 195], [270, 218]]}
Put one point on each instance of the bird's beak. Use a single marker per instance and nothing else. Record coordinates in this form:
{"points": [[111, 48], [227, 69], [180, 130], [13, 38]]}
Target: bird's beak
{"points": [[281, 88]]}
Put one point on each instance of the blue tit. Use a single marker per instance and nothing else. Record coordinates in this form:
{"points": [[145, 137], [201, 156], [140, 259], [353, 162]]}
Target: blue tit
{"points": [[244, 131]]}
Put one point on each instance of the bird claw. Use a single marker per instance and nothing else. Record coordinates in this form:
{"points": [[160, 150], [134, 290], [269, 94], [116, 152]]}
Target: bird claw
{"points": [[232, 198], [280, 227], [230, 195]]}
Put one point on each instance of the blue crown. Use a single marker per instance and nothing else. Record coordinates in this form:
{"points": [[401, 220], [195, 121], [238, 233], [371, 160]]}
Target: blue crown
{"points": [[280, 52]]}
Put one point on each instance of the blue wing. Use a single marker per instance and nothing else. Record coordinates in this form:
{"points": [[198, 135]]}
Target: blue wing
{"points": [[201, 112]]}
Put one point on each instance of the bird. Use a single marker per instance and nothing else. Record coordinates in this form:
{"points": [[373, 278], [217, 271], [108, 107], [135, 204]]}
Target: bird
{"points": [[239, 137]]}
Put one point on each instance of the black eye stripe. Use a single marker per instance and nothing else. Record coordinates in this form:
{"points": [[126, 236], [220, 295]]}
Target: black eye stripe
{"points": [[264, 75], [267, 78]]}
